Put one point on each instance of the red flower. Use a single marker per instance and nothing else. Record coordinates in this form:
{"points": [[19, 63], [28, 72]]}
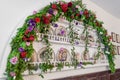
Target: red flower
{"points": [[64, 7], [23, 54], [97, 23], [24, 38], [48, 16], [87, 16], [72, 16], [70, 4], [37, 19], [110, 37], [46, 20], [85, 12], [54, 6], [27, 31], [77, 14], [31, 38]]}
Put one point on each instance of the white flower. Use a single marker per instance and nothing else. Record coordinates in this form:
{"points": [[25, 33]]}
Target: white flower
{"points": [[101, 32], [107, 52], [109, 44]]}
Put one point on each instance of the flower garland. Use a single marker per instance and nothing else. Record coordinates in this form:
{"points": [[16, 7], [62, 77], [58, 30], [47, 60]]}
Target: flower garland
{"points": [[21, 45]]}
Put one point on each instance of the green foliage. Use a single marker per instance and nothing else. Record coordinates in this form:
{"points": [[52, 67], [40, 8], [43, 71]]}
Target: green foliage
{"points": [[59, 66]]}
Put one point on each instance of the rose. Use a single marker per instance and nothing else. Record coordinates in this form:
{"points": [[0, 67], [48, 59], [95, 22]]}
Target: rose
{"points": [[85, 12], [37, 19], [87, 16], [70, 4], [97, 23], [23, 54], [72, 16], [24, 38], [77, 14], [64, 7], [48, 15], [46, 19], [27, 31], [31, 38], [54, 6]]}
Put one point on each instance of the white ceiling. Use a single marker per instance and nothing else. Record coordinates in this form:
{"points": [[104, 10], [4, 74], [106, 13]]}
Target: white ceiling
{"points": [[111, 6]]}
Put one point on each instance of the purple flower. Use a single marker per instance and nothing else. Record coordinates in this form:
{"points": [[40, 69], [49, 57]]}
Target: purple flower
{"points": [[81, 12], [32, 22], [76, 23], [50, 11], [14, 60], [55, 25], [91, 58], [26, 59], [12, 74], [30, 28], [62, 32], [76, 42], [80, 64], [74, 9], [21, 49]]}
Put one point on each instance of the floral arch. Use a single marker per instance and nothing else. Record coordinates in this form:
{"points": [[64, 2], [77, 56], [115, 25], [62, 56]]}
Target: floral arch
{"points": [[22, 48]]}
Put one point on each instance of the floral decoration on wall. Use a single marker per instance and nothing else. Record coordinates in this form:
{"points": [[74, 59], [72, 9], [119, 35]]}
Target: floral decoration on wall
{"points": [[21, 44]]}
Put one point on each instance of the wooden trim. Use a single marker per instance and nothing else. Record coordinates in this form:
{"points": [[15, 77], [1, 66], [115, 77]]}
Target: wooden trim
{"points": [[104, 75]]}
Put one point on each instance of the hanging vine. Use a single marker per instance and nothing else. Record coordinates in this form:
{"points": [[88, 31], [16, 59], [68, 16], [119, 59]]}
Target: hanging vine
{"points": [[72, 42]]}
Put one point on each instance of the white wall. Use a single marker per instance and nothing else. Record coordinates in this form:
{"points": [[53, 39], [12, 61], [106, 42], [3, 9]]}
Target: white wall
{"points": [[13, 13]]}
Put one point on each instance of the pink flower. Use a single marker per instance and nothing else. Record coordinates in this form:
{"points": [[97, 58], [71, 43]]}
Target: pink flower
{"points": [[61, 49], [14, 60], [77, 6], [57, 0], [28, 43], [48, 15], [34, 12], [61, 2], [55, 12], [12, 74]]}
